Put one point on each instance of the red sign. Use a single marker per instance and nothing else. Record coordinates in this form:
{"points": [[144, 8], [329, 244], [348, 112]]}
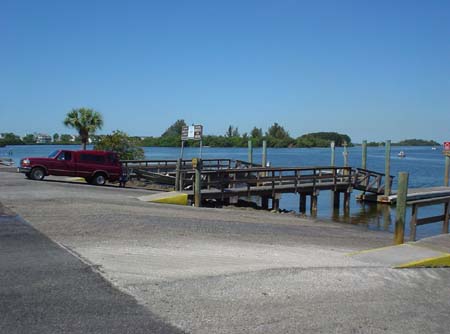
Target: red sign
{"points": [[447, 146]]}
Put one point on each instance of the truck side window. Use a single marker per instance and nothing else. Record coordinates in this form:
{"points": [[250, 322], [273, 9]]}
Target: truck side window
{"points": [[67, 156]]}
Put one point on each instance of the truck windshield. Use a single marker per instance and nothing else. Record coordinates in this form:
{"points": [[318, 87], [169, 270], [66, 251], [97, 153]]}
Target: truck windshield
{"points": [[53, 154]]}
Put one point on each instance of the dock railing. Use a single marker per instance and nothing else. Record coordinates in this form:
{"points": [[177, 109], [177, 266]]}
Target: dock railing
{"points": [[277, 179], [370, 181], [416, 221]]}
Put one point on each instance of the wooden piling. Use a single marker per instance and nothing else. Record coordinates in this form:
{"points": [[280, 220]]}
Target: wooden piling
{"points": [[336, 199], [264, 153], [197, 164], [302, 206], [250, 151], [447, 169], [265, 202], [275, 204], [347, 196], [333, 156], [401, 208], [364, 155], [313, 203], [345, 154], [446, 217], [387, 169]]}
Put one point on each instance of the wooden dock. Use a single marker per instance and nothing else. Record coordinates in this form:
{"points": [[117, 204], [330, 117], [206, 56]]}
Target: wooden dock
{"points": [[412, 195], [227, 180]]}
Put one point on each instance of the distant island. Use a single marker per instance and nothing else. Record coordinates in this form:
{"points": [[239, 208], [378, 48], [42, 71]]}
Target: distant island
{"points": [[408, 142], [275, 136]]}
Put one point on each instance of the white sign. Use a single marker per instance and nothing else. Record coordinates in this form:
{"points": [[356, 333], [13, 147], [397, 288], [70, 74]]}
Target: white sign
{"points": [[191, 132]]}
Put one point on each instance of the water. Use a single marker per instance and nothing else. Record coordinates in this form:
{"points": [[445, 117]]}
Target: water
{"points": [[425, 167]]}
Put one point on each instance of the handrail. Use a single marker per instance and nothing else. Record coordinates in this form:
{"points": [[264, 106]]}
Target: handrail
{"points": [[415, 221]]}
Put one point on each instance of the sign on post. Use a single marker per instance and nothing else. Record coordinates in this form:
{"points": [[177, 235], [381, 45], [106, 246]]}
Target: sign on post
{"points": [[447, 146], [193, 132]]}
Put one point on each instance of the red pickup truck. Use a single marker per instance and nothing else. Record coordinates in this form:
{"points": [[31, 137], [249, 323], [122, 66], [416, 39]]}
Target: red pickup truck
{"points": [[96, 167]]}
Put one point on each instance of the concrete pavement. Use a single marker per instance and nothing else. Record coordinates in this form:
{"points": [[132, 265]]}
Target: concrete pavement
{"points": [[234, 271]]}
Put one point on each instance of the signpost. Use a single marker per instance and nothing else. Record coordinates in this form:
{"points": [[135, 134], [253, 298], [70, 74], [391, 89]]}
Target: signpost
{"points": [[191, 132]]}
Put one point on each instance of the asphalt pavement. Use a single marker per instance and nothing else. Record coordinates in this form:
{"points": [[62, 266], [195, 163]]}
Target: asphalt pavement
{"points": [[46, 289]]}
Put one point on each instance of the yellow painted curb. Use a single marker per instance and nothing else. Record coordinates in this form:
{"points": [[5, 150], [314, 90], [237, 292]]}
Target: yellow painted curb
{"points": [[432, 262], [167, 198], [76, 179]]}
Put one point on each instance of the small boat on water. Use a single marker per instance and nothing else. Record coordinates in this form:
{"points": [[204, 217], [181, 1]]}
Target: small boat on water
{"points": [[433, 148], [401, 154]]}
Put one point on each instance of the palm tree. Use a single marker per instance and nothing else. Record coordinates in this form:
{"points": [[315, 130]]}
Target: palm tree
{"points": [[86, 121]]}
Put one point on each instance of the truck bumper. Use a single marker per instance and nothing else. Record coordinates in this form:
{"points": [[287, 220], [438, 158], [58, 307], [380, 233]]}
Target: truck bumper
{"points": [[24, 170]]}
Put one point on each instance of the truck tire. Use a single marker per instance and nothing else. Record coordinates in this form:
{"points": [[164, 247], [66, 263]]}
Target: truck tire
{"points": [[37, 173], [99, 179]]}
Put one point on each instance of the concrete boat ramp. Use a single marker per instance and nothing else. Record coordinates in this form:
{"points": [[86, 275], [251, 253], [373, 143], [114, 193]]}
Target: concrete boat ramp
{"points": [[427, 253], [83, 259]]}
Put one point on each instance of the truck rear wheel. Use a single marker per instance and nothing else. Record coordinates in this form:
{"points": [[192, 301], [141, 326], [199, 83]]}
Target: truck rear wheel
{"points": [[37, 173], [99, 179]]}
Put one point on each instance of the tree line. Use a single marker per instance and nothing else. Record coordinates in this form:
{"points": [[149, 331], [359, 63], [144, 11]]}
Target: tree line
{"points": [[275, 136]]}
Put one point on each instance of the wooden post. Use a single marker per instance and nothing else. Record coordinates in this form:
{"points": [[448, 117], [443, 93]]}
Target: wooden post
{"points": [[347, 196], [197, 164], [447, 169], [387, 169], [446, 217], [177, 175], [313, 203], [364, 155], [302, 208], [413, 224], [265, 202], [264, 154], [333, 159], [250, 151], [400, 217], [336, 199], [275, 204], [345, 153]]}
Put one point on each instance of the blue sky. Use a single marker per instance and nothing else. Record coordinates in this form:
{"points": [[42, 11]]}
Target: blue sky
{"points": [[375, 70]]}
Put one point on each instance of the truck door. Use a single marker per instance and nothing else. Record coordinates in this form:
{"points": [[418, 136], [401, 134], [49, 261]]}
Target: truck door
{"points": [[63, 164]]}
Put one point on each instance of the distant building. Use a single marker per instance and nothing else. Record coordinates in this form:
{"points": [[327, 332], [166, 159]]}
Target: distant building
{"points": [[42, 138]]}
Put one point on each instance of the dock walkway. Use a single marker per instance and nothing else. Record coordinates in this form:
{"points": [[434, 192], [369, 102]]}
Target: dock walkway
{"points": [[413, 195]]}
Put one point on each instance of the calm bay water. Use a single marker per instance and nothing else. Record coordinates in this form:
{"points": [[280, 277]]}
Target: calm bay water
{"points": [[425, 167]]}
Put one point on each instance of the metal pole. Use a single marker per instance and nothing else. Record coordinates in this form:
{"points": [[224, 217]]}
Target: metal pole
{"points": [[333, 159], [400, 217], [447, 169], [201, 146], [250, 152], [264, 153], [177, 175], [364, 155], [387, 169], [182, 149]]}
